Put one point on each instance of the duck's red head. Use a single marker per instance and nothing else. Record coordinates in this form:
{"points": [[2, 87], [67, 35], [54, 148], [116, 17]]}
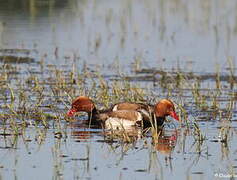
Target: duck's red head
{"points": [[164, 108], [81, 103]]}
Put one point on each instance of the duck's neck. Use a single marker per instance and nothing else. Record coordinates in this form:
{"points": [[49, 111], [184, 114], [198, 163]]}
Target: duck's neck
{"points": [[160, 121], [93, 114], [96, 117]]}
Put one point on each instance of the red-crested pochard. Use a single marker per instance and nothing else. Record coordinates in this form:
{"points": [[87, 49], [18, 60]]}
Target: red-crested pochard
{"points": [[124, 114], [163, 108]]}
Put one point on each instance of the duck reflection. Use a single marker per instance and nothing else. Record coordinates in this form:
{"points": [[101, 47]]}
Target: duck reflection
{"points": [[161, 152], [166, 141], [81, 135], [127, 135], [81, 132]]}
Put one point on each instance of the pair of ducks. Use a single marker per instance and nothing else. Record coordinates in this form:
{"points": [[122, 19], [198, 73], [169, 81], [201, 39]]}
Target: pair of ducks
{"points": [[124, 114]]}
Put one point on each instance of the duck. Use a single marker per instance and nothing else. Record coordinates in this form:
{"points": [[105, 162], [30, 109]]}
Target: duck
{"points": [[124, 114], [158, 112], [106, 118]]}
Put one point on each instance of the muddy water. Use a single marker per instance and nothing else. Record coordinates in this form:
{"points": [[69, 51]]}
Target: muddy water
{"points": [[40, 37]]}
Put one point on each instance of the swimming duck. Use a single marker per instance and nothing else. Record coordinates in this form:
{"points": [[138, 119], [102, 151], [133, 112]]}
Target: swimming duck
{"points": [[163, 108], [108, 118], [124, 114]]}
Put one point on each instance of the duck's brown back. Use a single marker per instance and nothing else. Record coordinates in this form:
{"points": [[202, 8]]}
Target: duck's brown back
{"points": [[121, 114], [131, 106]]}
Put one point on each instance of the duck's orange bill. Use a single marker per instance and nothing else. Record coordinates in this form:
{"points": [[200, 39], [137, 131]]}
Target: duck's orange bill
{"points": [[71, 112], [174, 115]]}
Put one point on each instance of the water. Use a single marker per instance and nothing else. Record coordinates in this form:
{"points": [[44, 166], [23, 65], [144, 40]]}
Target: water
{"points": [[83, 156], [43, 41], [195, 36]]}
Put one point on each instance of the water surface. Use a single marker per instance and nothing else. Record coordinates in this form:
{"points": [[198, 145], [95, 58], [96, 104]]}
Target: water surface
{"points": [[51, 51]]}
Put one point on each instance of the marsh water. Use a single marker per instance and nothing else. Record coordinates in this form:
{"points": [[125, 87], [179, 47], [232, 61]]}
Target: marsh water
{"points": [[52, 51]]}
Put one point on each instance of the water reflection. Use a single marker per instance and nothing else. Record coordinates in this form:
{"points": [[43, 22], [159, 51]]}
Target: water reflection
{"points": [[151, 33], [166, 142], [81, 133], [141, 157], [30, 8]]}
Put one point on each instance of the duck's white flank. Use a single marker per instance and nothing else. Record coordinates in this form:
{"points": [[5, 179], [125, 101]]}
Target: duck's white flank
{"points": [[115, 108], [119, 123]]}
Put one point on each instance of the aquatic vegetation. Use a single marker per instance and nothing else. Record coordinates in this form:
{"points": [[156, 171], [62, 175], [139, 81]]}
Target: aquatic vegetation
{"points": [[39, 100], [31, 99], [131, 56]]}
